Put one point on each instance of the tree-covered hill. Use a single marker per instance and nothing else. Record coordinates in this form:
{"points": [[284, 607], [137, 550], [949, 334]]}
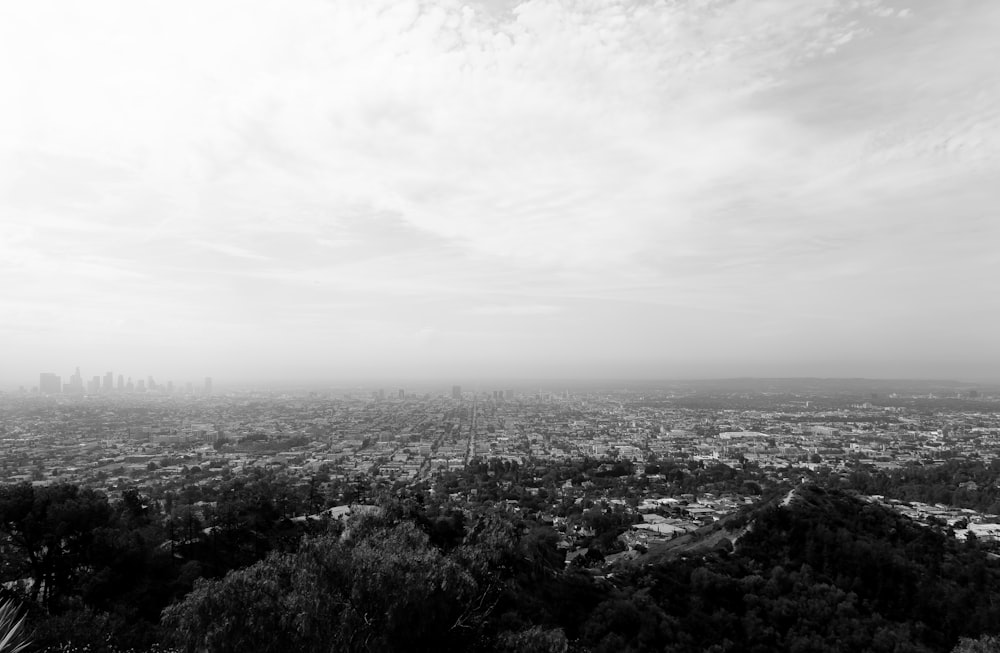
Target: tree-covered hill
{"points": [[823, 571], [813, 570], [826, 572]]}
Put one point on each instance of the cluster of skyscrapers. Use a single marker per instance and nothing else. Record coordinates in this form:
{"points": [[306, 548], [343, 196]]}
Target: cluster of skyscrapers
{"points": [[498, 395], [52, 384]]}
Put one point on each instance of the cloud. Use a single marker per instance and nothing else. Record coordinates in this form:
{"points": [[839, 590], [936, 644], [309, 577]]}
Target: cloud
{"points": [[391, 168], [515, 310], [231, 250]]}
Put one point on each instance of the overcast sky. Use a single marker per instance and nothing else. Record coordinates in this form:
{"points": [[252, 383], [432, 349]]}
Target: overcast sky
{"points": [[253, 189]]}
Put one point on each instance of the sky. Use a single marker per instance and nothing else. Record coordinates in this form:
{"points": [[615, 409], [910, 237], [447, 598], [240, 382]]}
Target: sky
{"points": [[335, 189]]}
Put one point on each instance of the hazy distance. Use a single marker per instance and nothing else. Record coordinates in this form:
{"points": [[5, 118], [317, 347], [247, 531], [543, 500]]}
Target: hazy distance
{"points": [[367, 189]]}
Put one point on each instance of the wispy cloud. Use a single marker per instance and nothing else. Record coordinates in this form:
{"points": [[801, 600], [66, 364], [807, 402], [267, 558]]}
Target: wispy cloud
{"points": [[230, 250], [658, 169], [516, 310]]}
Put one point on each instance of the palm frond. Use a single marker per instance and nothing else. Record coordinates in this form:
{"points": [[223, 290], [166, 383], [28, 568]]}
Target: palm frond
{"points": [[13, 639]]}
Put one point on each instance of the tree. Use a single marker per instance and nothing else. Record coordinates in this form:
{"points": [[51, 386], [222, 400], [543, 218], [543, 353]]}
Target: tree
{"points": [[50, 530], [534, 640], [985, 644], [243, 611], [381, 587]]}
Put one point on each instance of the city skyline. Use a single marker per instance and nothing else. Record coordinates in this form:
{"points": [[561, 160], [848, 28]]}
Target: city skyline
{"points": [[52, 383], [498, 388], [500, 189]]}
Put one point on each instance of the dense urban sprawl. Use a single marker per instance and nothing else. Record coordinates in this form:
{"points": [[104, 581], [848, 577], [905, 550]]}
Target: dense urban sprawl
{"points": [[335, 450]]}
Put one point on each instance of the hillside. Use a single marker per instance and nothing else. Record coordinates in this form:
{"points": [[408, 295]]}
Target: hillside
{"points": [[823, 571], [810, 570], [815, 570]]}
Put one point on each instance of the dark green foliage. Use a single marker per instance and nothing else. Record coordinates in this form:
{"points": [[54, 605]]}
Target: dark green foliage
{"points": [[94, 573], [827, 572], [46, 534], [985, 644], [948, 483], [381, 587]]}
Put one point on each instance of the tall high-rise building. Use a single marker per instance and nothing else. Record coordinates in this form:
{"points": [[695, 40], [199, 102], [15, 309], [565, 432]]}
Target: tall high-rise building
{"points": [[76, 382], [456, 392], [208, 386], [49, 383], [402, 394], [109, 382], [121, 383]]}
